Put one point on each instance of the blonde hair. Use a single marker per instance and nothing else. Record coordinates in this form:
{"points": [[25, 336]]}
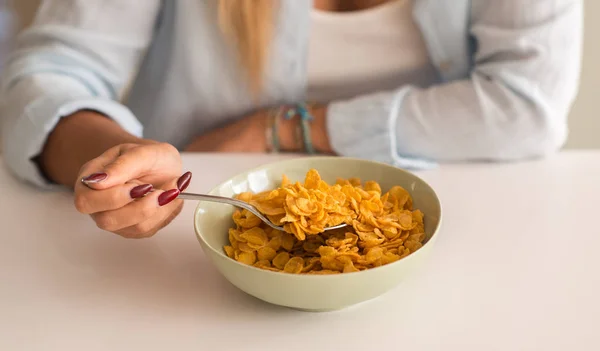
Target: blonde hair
{"points": [[249, 24]]}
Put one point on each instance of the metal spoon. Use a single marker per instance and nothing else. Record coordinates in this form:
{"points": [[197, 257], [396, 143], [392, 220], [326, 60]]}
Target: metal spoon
{"points": [[242, 204]]}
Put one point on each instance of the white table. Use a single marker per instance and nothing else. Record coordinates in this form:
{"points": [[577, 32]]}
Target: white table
{"points": [[515, 268]]}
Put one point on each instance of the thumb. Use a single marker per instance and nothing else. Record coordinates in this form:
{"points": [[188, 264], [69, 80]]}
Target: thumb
{"points": [[152, 164]]}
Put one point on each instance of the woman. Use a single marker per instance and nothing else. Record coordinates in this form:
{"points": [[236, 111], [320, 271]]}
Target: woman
{"points": [[404, 82]]}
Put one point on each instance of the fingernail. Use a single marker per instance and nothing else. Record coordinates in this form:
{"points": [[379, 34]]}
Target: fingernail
{"points": [[167, 196], [94, 178], [184, 181], [140, 191]]}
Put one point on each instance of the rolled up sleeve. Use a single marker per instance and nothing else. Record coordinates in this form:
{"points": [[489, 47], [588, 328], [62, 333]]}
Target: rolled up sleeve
{"points": [[365, 127], [25, 137], [75, 57]]}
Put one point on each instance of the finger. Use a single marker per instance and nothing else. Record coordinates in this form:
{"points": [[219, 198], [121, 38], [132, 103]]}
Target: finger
{"points": [[88, 201], [151, 226], [184, 181], [92, 172], [136, 212], [154, 163]]}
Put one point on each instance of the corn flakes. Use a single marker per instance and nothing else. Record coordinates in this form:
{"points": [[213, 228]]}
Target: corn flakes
{"points": [[382, 228]]}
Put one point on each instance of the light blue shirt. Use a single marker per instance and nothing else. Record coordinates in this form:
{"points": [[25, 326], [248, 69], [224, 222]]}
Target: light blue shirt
{"points": [[508, 75]]}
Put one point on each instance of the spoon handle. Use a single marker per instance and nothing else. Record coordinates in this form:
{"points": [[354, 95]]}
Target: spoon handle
{"points": [[212, 198], [229, 201]]}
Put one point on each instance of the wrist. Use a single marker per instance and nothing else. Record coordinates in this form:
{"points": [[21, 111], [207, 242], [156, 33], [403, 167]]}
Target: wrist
{"points": [[290, 135], [318, 129], [287, 132], [77, 139]]}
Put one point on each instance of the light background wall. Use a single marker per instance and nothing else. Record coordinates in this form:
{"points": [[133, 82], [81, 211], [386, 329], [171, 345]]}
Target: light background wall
{"points": [[584, 121], [585, 116]]}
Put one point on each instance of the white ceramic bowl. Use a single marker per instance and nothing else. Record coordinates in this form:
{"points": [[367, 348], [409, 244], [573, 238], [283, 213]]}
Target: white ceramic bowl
{"points": [[314, 292]]}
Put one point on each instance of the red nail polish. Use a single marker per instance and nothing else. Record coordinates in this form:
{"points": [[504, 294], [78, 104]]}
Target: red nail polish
{"points": [[140, 191], [94, 178], [184, 181], [167, 196]]}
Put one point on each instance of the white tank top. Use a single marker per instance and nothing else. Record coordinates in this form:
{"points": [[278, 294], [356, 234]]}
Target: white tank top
{"points": [[361, 52]]}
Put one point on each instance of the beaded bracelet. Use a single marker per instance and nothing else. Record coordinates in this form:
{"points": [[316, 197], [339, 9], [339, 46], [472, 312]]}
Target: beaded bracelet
{"points": [[302, 133], [305, 119]]}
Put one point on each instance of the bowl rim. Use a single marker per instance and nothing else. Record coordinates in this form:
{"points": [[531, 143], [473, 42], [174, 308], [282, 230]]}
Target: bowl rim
{"points": [[318, 276]]}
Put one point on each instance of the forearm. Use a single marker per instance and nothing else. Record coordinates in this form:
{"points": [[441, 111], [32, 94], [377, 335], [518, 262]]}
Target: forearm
{"points": [[77, 139], [250, 134]]}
